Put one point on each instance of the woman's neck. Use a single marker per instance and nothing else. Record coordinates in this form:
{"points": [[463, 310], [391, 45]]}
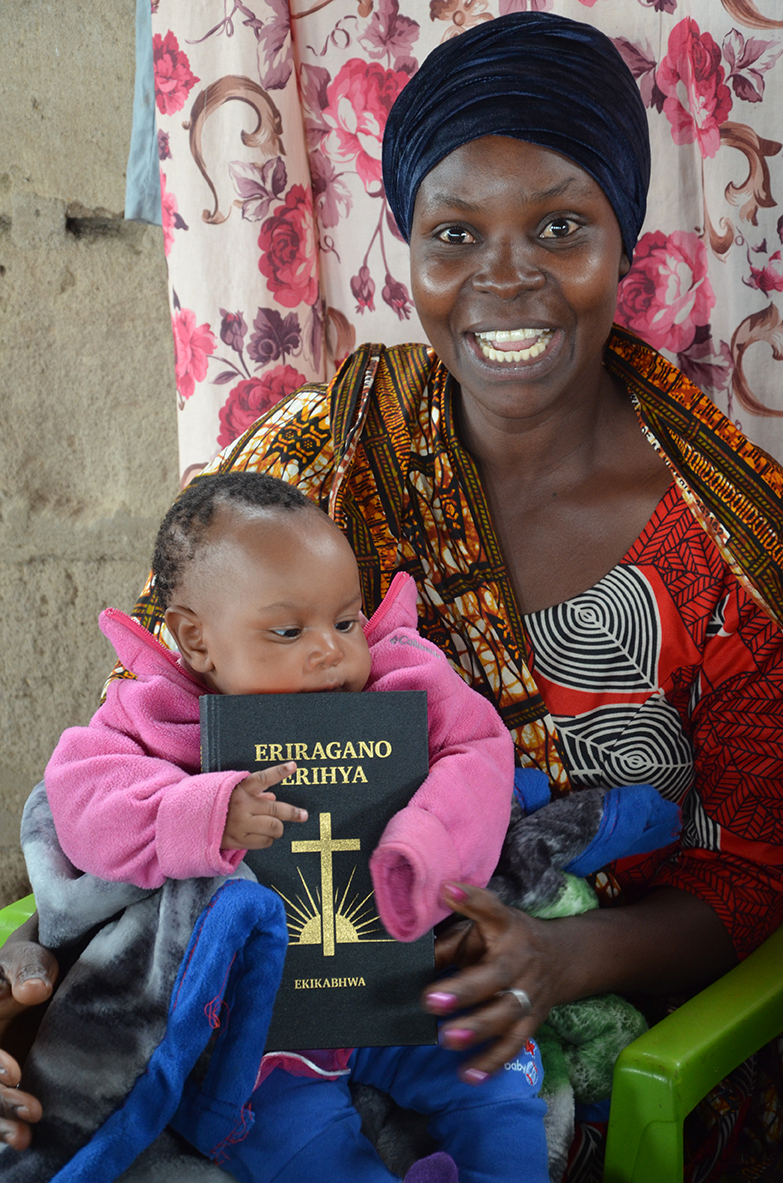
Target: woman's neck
{"points": [[568, 491], [567, 437]]}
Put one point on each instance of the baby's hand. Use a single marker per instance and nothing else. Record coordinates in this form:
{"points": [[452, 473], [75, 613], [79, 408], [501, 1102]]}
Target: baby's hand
{"points": [[255, 818]]}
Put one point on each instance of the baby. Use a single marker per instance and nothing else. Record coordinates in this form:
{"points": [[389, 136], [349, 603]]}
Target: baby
{"points": [[262, 596]]}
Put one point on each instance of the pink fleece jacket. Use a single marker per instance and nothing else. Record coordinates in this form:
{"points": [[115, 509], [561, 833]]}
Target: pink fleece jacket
{"points": [[130, 803]]}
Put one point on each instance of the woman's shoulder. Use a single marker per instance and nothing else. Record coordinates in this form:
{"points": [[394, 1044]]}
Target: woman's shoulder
{"points": [[299, 439], [733, 487], [664, 393]]}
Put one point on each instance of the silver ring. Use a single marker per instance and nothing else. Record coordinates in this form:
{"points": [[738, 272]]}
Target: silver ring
{"points": [[521, 997]]}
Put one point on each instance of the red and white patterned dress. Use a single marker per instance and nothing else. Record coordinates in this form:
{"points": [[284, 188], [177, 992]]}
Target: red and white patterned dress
{"points": [[667, 673]]}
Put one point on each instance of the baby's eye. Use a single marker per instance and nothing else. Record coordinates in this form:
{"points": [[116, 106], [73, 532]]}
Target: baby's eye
{"points": [[345, 626], [288, 634], [456, 236], [559, 228]]}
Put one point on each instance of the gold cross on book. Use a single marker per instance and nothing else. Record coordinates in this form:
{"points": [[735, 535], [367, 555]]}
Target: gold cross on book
{"points": [[325, 846]]}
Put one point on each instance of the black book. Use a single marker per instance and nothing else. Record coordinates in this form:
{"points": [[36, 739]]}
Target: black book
{"points": [[360, 759]]}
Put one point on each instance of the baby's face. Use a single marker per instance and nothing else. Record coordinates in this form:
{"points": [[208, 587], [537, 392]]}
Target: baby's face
{"points": [[280, 606]]}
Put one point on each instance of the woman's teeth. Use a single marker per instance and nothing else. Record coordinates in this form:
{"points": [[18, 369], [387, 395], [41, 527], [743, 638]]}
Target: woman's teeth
{"points": [[487, 341]]}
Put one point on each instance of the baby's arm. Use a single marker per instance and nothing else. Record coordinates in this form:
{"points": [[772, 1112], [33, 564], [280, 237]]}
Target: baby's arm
{"points": [[453, 827], [125, 814]]}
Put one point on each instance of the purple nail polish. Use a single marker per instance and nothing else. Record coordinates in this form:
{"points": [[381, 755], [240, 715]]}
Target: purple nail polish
{"points": [[474, 1076], [439, 1000]]}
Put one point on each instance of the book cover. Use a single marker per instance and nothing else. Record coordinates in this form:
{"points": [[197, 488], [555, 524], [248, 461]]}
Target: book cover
{"points": [[360, 758]]}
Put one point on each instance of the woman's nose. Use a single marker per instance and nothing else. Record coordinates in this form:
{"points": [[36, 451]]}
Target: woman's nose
{"points": [[507, 269]]}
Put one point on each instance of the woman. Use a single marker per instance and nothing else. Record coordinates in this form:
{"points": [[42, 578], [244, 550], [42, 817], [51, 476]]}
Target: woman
{"points": [[594, 544]]}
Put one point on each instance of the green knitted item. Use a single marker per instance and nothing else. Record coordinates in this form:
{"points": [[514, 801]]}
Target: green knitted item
{"points": [[591, 1034], [580, 1041], [575, 897]]}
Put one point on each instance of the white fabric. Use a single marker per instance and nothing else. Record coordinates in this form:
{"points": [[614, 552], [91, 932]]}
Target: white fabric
{"points": [[271, 106]]}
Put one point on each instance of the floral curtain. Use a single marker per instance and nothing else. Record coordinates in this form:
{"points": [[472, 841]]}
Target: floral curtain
{"points": [[281, 250]]}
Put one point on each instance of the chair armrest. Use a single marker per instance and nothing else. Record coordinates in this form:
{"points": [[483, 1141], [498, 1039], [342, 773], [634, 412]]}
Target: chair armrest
{"points": [[15, 914], [661, 1077]]}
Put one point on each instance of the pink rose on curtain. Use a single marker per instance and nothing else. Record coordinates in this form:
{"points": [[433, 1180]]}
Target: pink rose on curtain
{"points": [[692, 74], [289, 258], [251, 397], [168, 214], [193, 345], [173, 77], [666, 294], [359, 100]]}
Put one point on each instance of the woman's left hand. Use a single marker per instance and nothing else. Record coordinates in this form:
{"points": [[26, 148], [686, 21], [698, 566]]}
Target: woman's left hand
{"points": [[670, 942], [27, 975], [17, 1109], [502, 949]]}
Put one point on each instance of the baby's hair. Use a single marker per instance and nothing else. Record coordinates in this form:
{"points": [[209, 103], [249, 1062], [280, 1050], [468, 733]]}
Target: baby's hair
{"points": [[183, 530]]}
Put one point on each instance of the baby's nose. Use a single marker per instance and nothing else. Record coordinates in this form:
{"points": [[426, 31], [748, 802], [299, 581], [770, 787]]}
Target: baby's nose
{"points": [[330, 648]]}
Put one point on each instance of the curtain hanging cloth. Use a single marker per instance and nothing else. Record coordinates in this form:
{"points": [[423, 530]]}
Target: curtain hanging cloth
{"points": [[282, 254]]}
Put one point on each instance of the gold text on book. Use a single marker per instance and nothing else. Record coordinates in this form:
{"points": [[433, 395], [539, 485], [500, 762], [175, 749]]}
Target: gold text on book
{"points": [[301, 752], [324, 983]]}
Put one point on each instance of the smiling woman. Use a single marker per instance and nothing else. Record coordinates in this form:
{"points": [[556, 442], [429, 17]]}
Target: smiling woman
{"points": [[596, 548], [513, 243]]}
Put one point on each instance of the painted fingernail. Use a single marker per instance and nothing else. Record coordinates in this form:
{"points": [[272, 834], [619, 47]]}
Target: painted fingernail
{"points": [[439, 1000], [474, 1076], [457, 1035], [456, 892]]}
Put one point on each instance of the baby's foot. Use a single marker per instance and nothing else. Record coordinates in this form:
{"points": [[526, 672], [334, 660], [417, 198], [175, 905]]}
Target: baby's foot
{"points": [[437, 1168]]}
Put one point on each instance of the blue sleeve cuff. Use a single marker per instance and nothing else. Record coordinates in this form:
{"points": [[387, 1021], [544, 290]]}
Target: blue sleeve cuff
{"points": [[636, 820]]}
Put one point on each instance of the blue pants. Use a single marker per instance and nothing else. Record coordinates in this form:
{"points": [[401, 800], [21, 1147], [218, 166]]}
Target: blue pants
{"points": [[307, 1131]]}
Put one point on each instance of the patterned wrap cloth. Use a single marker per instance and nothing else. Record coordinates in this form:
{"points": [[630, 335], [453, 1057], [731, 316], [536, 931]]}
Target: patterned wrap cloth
{"points": [[378, 448]]}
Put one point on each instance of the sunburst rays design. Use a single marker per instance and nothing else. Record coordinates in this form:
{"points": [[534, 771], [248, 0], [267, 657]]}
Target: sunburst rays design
{"points": [[354, 918]]}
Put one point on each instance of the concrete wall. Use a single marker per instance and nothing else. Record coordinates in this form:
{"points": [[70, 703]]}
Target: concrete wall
{"points": [[88, 448]]}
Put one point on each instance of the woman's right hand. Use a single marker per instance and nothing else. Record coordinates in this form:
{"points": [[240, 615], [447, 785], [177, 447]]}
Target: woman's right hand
{"points": [[27, 976]]}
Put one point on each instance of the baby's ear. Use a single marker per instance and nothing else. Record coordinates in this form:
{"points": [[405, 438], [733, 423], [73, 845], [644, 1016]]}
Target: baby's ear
{"points": [[186, 628]]}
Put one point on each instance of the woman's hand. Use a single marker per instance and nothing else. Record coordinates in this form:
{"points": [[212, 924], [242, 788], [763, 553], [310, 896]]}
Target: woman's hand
{"points": [[501, 949], [27, 976], [17, 1109], [669, 942]]}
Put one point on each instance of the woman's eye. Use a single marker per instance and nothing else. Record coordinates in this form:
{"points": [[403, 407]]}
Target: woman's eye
{"points": [[288, 634], [559, 228], [456, 236]]}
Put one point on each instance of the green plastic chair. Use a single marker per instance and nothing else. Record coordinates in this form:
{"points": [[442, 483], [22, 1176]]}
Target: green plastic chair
{"points": [[14, 915], [661, 1077]]}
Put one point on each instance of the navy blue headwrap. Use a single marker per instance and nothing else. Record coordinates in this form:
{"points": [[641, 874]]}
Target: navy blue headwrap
{"points": [[534, 76]]}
